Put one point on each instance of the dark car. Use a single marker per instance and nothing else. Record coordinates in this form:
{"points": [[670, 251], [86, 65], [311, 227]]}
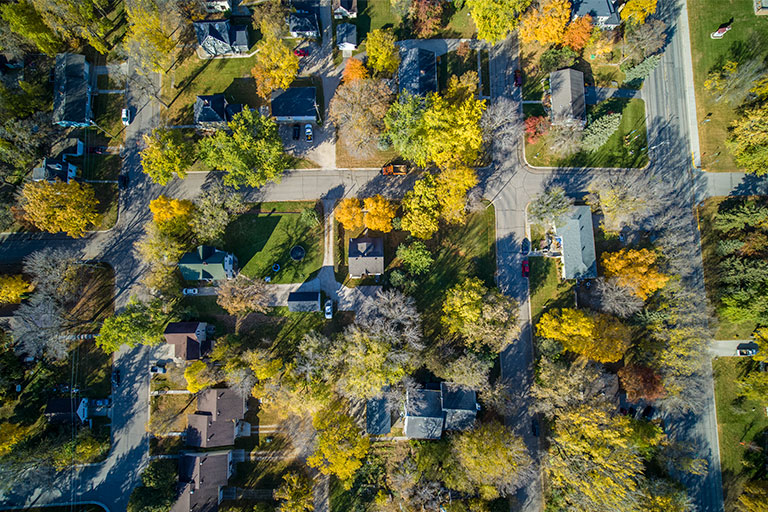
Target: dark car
{"points": [[525, 268], [518, 78], [122, 181], [116, 377], [535, 427], [525, 246], [97, 150], [296, 132]]}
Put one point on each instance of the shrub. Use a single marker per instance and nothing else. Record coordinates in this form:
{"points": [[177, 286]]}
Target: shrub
{"points": [[556, 58], [600, 130], [536, 127], [636, 74]]}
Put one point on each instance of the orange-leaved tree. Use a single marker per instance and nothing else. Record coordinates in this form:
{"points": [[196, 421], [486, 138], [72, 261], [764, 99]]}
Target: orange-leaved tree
{"points": [[354, 70], [546, 25], [379, 213], [350, 213], [578, 33], [635, 269]]}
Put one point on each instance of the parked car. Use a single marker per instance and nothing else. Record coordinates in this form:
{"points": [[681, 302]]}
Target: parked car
{"points": [[189, 291], [102, 402], [122, 181], [525, 268], [157, 370], [518, 78], [125, 117], [525, 246], [296, 131], [747, 352], [535, 427], [300, 52], [328, 309], [394, 170], [116, 377], [308, 132], [97, 150]]}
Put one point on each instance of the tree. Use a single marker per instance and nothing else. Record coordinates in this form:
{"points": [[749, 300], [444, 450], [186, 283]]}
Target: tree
{"points": [[275, 66], [748, 140], [13, 288], [600, 130], [295, 493], [647, 38], [172, 215], [666, 496], [742, 215], [354, 69], [468, 370], [598, 337], [215, 208], [358, 109], [242, 295], [55, 207], [25, 21], [560, 388], [404, 127], [198, 376], [379, 213], [426, 16], [158, 489], [422, 208], [139, 323], [641, 383], [627, 199], [84, 19], [166, 154], [536, 127], [635, 269], [638, 73], [496, 18], [53, 272], [547, 25], [453, 183], [416, 257], [549, 207], [556, 58], [493, 458], [754, 387], [251, 155], [754, 497], [636, 11], [150, 34], [159, 247], [349, 213], [463, 305], [617, 299], [578, 33], [340, 446], [383, 54], [760, 337], [565, 141], [39, 326]]}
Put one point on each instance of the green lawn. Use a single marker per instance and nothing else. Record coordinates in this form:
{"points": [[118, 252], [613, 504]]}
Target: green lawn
{"points": [[108, 195], [451, 64], [738, 421], [547, 289], [709, 238], [626, 148], [746, 40], [260, 240], [106, 112]]}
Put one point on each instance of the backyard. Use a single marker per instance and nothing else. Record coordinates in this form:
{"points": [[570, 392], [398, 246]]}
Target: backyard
{"points": [[265, 236], [167, 413], [626, 148], [742, 426], [451, 64], [747, 40]]}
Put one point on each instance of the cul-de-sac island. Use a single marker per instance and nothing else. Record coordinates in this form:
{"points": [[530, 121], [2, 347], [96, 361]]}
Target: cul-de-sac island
{"points": [[384, 255]]}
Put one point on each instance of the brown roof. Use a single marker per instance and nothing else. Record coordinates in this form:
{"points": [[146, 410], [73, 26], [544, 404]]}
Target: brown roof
{"points": [[197, 500], [182, 336], [221, 404], [204, 432], [204, 469]]}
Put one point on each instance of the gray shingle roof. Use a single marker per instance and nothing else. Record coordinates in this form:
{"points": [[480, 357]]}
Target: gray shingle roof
{"points": [[214, 109], [568, 105], [578, 242], [303, 24], [460, 406], [205, 499], [346, 33], [304, 301], [295, 102], [423, 414], [71, 90], [204, 469], [220, 37], [50, 170], [418, 71], [203, 431], [378, 420], [222, 404], [366, 256], [596, 8]]}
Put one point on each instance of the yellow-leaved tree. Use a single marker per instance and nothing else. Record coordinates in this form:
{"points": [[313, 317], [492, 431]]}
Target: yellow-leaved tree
{"points": [[275, 66], [495, 19], [167, 153], [636, 11], [754, 498], [172, 215], [383, 54], [422, 208], [349, 213], [599, 337], [379, 213], [150, 34], [340, 447], [453, 183], [635, 269], [546, 25], [13, 288], [55, 207], [11, 434], [198, 377]]}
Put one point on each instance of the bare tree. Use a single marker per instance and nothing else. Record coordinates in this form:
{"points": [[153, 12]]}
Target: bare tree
{"points": [[550, 206], [241, 380], [565, 141], [358, 109], [38, 327], [469, 370], [499, 398], [242, 295], [53, 271], [616, 299], [628, 199], [561, 388], [647, 38]]}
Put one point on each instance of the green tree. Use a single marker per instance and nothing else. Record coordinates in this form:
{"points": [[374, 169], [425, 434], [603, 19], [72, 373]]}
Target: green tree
{"points": [[383, 54], [422, 208], [744, 214], [755, 387], [295, 493], [251, 155], [463, 305], [416, 257], [550, 206], [56, 207], [748, 140], [85, 19], [139, 323], [600, 130], [405, 128], [158, 489], [496, 18], [24, 19], [215, 208], [340, 447], [166, 154]]}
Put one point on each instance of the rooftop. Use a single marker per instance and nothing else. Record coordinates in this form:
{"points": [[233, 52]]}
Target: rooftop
{"points": [[70, 97], [304, 301], [221, 404], [366, 256], [423, 414], [205, 263], [596, 9], [302, 23], [568, 104], [460, 406], [295, 102], [578, 241], [418, 71], [183, 336], [214, 109], [346, 33], [203, 431]]}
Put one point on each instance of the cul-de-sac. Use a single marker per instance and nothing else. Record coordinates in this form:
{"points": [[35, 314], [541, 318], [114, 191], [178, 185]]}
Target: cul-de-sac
{"points": [[384, 255]]}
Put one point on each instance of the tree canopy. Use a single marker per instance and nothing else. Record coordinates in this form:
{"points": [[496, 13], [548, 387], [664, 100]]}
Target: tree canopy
{"points": [[275, 65], [749, 139], [599, 337], [166, 154], [636, 269], [496, 18], [379, 213], [383, 54], [56, 207], [340, 445], [349, 213], [546, 25], [139, 323]]}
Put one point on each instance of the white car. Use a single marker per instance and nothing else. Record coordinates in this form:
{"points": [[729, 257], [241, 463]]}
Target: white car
{"points": [[329, 309], [189, 291], [157, 370], [125, 116]]}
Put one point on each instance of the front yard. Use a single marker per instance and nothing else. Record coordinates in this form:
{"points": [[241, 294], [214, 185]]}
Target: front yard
{"points": [[167, 413], [745, 42], [547, 290], [107, 109]]}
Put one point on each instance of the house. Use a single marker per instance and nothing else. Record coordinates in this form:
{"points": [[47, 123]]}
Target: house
{"points": [[213, 111], [53, 169], [218, 420], [346, 37], [378, 418], [423, 414], [418, 71], [303, 24], [189, 339], [295, 105], [72, 91], [65, 410], [220, 38], [604, 13], [208, 264], [201, 479], [304, 301], [459, 405], [568, 103], [577, 240], [212, 6], [761, 7], [366, 257], [344, 9], [222, 404]]}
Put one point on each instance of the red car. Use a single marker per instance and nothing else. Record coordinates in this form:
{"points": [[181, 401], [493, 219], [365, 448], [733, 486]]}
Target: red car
{"points": [[300, 52], [526, 269]]}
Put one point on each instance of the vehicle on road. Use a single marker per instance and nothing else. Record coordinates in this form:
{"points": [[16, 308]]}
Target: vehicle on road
{"points": [[308, 132], [526, 270], [535, 427], [96, 150], [125, 117], [157, 369], [518, 78], [525, 246], [394, 170], [122, 181], [747, 352], [102, 402], [328, 309], [300, 52], [116, 377], [296, 131], [189, 291]]}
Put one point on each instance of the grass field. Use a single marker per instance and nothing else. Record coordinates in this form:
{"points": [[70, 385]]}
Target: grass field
{"points": [[262, 239], [709, 238], [107, 194], [747, 39], [626, 148], [167, 413], [106, 112], [547, 290], [738, 421]]}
